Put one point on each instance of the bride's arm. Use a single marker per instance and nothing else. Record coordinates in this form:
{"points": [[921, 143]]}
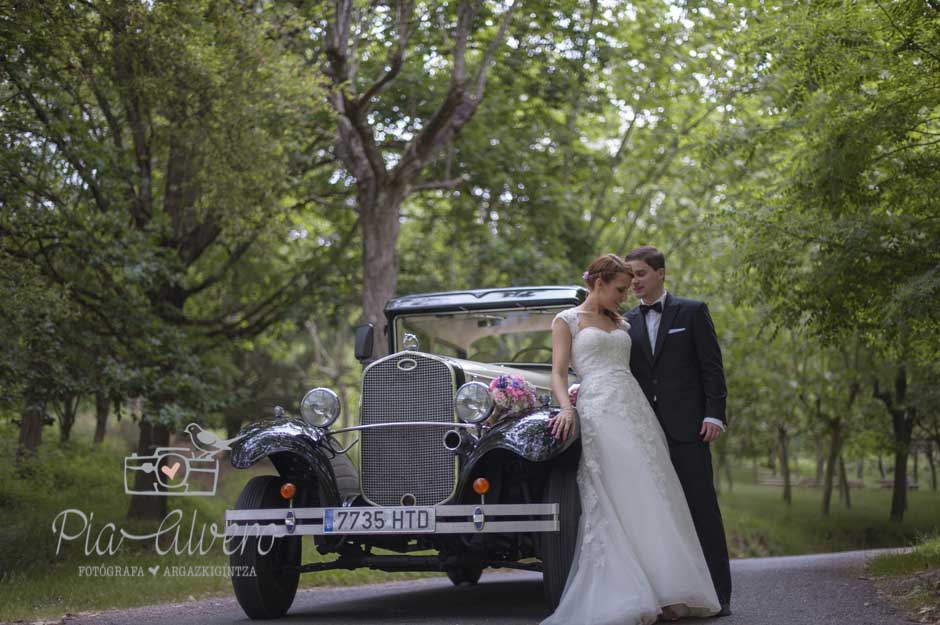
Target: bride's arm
{"points": [[563, 424]]}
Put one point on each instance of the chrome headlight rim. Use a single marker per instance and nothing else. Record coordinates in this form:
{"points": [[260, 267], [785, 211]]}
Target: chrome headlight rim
{"points": [[473, 403], [328, 411]]}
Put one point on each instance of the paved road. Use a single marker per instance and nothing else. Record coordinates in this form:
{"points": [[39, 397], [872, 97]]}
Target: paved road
{"points": [[801, 590]]}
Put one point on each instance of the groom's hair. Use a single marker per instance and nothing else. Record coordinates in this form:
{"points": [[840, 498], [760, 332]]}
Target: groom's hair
{"points": [[649, 255]]}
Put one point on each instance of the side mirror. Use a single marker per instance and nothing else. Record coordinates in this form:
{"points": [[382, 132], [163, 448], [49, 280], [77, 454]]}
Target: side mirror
{"points": [[365, 336]]}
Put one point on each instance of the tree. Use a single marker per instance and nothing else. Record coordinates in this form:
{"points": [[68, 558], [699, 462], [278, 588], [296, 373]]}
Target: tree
{"points": [[153, 149], [838, 135], [385, 155]]}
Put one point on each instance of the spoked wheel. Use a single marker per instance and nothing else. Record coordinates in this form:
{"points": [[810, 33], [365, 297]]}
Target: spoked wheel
{"points": [[558, 547], [265, 579], [464, 575]]}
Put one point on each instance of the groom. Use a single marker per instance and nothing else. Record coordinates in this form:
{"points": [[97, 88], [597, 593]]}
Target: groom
{"points": [[677, 361]]}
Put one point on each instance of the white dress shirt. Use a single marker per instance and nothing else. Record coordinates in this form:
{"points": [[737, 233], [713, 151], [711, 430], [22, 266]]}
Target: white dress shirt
{"points": [[652, 321], [652, 328]]}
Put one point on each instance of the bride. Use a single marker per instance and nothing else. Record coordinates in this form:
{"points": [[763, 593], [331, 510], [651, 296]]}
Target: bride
{"points": [[637, 558]]}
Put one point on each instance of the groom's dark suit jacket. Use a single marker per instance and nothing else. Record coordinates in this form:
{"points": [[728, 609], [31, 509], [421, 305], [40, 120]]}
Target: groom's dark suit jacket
{"points": [[683, 378]]}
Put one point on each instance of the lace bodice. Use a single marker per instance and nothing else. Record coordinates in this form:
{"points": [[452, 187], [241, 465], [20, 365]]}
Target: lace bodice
{"points": [[595, 350]]}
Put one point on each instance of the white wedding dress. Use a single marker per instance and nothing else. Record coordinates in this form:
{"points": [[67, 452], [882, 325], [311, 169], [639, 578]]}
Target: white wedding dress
{"points": [[637, 550]]}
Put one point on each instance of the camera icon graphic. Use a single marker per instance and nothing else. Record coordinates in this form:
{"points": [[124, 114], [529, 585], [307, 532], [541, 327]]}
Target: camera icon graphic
{"points": [[173, 467]]}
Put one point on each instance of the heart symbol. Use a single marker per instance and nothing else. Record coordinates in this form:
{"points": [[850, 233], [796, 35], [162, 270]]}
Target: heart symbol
{"points": [[170, 472], [153, 570]]}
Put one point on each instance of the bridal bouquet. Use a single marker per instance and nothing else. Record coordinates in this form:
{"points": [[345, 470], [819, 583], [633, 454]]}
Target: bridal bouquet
{"points": [[512, 395]]}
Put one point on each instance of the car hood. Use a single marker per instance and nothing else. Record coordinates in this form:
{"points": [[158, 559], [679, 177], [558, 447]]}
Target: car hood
{"points": [[485, 372]]}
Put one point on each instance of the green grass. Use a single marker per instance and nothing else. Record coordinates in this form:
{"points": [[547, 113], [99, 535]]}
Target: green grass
{"points": [[37, 582], [924, 556], [759, 523]]}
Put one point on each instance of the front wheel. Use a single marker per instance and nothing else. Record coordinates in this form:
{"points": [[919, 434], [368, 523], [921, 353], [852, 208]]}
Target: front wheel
{"points": [[558, 547], [265, 573]]}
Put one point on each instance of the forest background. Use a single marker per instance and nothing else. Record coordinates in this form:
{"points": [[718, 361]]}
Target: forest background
{"points": [[200, 199]]}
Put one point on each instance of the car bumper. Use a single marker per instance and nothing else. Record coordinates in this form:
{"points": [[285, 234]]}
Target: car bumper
{"points": [[449, 519]]}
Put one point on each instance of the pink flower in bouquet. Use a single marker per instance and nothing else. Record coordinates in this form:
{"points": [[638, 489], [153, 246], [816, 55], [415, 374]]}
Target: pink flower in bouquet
{"points": [[512, 395]]}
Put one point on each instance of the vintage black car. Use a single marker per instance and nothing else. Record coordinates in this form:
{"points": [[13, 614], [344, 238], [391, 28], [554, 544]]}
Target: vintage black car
{"points": [[438, 473]]}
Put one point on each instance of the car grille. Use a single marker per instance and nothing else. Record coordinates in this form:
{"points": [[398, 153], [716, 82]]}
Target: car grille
{"points": [[400, 460]]}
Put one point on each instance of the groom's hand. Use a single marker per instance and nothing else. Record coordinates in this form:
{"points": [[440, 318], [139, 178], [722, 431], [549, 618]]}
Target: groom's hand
{"points": [[709, 432]]}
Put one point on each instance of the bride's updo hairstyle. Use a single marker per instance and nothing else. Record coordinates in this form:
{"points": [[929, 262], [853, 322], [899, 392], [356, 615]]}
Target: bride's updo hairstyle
{"points": [[606, 268]]}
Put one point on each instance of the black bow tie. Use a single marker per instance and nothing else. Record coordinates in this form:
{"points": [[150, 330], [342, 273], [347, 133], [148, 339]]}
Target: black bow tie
{"points": [[658, 307]]}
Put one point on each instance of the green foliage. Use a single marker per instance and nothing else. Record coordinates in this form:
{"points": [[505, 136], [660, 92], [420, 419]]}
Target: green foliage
{"points": [[837, 219], [150, 152]]}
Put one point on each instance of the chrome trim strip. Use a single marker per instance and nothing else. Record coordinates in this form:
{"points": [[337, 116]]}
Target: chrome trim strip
{"points": [[468, 426]]}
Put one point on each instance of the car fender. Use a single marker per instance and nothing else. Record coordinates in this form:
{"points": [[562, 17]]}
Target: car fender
{"points": [[298, 451], [528, 437]]}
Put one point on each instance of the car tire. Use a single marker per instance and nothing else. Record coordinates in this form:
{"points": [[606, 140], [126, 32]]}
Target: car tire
{"points": [[558, 547], [465, 575], [266, 589]]}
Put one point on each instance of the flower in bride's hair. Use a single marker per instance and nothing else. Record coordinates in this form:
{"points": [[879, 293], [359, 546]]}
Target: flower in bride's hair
{"points": [[585, 275]]}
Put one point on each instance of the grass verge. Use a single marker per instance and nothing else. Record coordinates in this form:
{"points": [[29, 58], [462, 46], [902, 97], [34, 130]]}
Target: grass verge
{"points": [[758, 523], [41, 578], [911, 580]]}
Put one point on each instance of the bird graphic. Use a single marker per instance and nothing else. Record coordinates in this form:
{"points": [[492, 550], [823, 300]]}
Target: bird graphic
{"points": [[207, 442]]}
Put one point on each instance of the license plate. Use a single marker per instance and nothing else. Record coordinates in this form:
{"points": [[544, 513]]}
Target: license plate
{"points": [[378, 520]]}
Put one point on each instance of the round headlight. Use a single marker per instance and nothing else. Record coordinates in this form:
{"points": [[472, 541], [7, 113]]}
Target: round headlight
{"points": [[474, 403], [320, 407]]}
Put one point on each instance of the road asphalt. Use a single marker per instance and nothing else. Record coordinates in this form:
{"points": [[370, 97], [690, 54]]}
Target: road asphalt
{"points": [[799, 590]]}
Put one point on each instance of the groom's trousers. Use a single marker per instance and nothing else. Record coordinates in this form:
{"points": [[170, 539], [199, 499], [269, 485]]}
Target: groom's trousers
{"points": [[693, 463]]}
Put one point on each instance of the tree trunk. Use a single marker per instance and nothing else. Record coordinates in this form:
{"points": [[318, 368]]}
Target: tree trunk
{"points": [[860, 469], [899, 495], [380, 225], [718, 477], [771, 462], [102, 408], [903, 426], [31, 422], [820, 461], [881, 467], [903, 418], [933, 466], [783, 444], [724, 465], [835, 447], [148, 507], [914, 452], [67, 413], [844, 484]]}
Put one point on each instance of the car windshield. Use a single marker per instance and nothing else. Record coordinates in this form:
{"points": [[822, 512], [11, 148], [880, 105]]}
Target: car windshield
{"points": [[497, 336]]}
